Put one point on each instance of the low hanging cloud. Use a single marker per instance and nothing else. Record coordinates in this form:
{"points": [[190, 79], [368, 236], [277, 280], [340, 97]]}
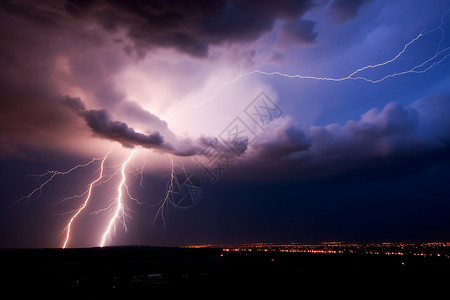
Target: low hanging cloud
{"points": [[279, 140], [377, 133], [163, 140], [413, 136], [101, 124], [381, 142]]}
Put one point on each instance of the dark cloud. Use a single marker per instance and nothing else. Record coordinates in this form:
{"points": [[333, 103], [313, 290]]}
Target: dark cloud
{"points": [[132, 111], [28, 117], [434, 121], [187, 26], [52, 48], [376, 133], [42, 60], [41, 54], [345, 10], [44, 33], [101, 124], [298, 32], [280, 139], [44, 13], [395, 140]]}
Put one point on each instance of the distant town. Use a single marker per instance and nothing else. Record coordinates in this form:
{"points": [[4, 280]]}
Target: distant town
{"points": [[233, 267], [433, 249]]}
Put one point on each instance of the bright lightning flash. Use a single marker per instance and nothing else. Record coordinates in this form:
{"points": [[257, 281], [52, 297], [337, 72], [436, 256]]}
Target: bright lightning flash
{"points": [[120, 208], [163, 202], [427, 64], [88, 197]]}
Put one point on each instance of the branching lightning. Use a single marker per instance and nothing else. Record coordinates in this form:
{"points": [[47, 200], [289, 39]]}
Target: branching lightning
{"points": [[120, 210], [120, 207], [173, 188], [52, 174], [88, 197], [163, 203], [439, 56]]}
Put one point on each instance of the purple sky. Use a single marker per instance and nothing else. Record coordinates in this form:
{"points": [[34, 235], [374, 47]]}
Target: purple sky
{"points": [[341, 108]]}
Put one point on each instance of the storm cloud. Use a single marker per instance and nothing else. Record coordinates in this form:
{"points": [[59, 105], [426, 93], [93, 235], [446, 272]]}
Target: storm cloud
{"points": [[62, 48], [345, 10], [298, 32], [103, 126], [53, 48], [187, 26], [395, 139], [344, 160]]}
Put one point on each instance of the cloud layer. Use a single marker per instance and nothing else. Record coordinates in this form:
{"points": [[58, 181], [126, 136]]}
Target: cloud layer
{"points": [[395, 139], [78, 48], [50, 49], [187, 26]]}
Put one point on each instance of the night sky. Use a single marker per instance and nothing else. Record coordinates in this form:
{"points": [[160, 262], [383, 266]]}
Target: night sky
{"points": [[224, 121]]}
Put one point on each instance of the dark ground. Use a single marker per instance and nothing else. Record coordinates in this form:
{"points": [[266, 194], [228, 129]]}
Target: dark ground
{"points": [[212, 272]]}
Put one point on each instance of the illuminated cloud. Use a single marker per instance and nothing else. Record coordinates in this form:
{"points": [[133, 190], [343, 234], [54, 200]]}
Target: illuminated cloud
{"points": [[101, 124], [82, 49], [97, 64], [167, 78]]}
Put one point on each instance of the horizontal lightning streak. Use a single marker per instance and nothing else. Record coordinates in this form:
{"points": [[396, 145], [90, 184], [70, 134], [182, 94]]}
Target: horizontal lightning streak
{"points": [[352, 76], [53, 175]]}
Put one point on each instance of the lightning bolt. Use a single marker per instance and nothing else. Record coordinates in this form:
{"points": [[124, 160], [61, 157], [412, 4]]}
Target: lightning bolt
{"points": [[188, 178], [163, 202], [140, 172], [120, 208], [88, 197], [52, 174], [439, 56]]}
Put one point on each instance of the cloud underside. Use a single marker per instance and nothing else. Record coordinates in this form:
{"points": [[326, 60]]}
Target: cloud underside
{"points": [[103, 126], [189, 27], [411, 137], [395, 139]]}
